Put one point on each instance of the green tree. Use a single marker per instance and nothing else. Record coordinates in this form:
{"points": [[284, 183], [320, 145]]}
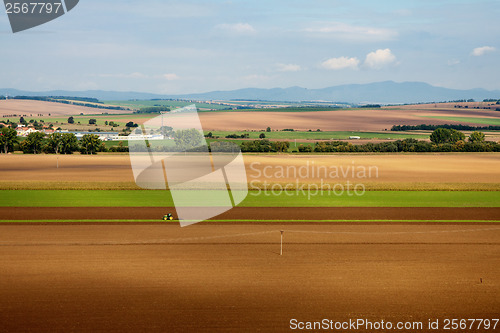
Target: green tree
{"points": [[445, 135], [268, 129], [62, 143], [71, 120], [262, 136], [8, 136], [69, 143], [92, 121], [476, 137], [33, 143], [90, 144], [54, 142], [188, 139]]}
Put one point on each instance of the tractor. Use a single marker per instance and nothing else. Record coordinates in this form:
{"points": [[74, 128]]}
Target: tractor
{"points": [[168, 217]]}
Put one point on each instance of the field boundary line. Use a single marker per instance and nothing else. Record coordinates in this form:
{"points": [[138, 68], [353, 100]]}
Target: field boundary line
{"points": [[244, 221]]}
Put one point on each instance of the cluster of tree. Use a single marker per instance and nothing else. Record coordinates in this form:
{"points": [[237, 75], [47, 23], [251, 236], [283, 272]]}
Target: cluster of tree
{"points": [[32, 122], [2, 97], [446, 135], [56, 143], [8, 122], [459, 127], [91, 102], [264, 146], [470, 100], [497, 101], [153, 109], [224, 146], [61, 143], [131, 124], [111, 123], [188, 139], [236, 136], [371, 106], [288, 130], [91, 144], [8, 137]]}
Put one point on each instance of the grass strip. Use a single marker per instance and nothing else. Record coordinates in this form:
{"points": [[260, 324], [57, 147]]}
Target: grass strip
{"points": [[295, 198]]}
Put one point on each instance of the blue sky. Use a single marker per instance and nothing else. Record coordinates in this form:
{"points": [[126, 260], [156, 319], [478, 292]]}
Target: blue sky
{"points": [[188, 46]]}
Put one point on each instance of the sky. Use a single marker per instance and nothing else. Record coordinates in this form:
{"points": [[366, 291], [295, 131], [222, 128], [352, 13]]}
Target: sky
{"points": [[175, 47]]}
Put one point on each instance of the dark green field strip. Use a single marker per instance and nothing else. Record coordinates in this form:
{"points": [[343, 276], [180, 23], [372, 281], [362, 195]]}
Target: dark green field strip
{"points": [[474, 120], [155, 198]]}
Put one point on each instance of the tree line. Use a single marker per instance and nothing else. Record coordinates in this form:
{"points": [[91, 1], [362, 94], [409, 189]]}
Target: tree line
{"points": [[460, 127], [153, 109], [55, 143], [442, 140]]}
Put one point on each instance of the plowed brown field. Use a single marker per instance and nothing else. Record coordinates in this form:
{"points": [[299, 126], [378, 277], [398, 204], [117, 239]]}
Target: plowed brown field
{"points": [[231, 278], [256, 213]]}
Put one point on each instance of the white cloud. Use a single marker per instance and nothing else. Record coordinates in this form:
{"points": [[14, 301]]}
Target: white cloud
{"points": [[237, 28], [135, 75], [453, 62], [351, 32], [341, 63], [171, 76], [288, 67], [479, 51], [379, 59]]}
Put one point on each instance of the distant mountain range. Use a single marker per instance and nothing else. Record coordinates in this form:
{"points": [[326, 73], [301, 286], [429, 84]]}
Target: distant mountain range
{"points": [[387, 92]]}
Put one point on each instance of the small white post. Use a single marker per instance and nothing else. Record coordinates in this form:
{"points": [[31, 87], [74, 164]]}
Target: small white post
{"points": [[281, 243]]}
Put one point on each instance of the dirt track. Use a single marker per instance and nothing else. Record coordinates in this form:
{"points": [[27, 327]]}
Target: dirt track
{"points": [[231, 278], [256, 213]]}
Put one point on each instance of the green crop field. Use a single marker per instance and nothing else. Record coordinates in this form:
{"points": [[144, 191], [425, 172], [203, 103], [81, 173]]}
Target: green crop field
{"points": [[486, 121], [156, 198]]}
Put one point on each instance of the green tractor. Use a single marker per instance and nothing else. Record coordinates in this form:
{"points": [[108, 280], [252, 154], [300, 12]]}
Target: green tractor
{"points": [[168, 217]]}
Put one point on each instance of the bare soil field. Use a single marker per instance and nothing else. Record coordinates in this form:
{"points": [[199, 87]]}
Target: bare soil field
{"points": [[33, 108], [257, 213], [231, 278], [388, 171], [342, 120]]}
